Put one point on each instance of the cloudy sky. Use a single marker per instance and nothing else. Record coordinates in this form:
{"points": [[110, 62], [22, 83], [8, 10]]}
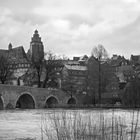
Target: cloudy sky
{"points": [[72, 27]]}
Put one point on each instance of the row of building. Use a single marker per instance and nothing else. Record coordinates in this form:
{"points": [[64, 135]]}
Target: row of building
{"points": [[77, 76]]}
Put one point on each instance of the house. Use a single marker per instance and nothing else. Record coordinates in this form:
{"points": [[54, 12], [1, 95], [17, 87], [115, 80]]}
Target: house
{"points": [[122, 69], [74, 77], [118, 60], [135, 59], [19, 63]]}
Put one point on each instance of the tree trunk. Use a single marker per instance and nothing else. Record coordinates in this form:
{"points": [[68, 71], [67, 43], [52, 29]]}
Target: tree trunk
{"points": [[39, 83]]}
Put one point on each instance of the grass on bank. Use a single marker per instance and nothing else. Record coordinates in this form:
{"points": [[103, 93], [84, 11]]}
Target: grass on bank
{"points": [[79, 126]]}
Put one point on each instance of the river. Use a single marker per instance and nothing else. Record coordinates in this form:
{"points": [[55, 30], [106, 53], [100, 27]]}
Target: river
{"points": [[27, 123]]}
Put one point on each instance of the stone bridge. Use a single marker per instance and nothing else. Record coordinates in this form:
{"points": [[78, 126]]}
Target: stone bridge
{"points": [[30, 97]]}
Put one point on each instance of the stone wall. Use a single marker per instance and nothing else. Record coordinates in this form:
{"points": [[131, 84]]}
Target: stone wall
{"points": [[10, 95]]}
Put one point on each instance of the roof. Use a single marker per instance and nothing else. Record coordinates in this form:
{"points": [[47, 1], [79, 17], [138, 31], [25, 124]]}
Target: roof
{"points": [[118, 61], [56, 63], [135, 59], [76, 67], [91, 58], [3, 52], [76, 58], [83, 58], [15, 55], [72, 62]]}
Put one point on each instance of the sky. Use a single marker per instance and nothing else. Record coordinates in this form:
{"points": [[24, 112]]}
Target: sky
{"points": [[72, 27]]}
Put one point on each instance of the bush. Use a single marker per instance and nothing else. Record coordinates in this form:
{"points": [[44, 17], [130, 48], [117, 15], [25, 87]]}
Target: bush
{"points": [[131, 94]]}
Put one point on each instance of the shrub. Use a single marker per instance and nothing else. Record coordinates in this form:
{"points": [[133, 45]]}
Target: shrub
{"points": [[78, 126]]}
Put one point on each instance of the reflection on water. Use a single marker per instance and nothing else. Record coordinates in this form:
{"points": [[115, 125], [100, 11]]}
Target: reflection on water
{"points": [[27, 123]]}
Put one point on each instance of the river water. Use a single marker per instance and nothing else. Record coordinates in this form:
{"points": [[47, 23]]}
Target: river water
{"points": [[16, 124]]}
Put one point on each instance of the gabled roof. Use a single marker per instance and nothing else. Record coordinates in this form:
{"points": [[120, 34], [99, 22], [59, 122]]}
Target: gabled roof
{"points": [[118, 61], [91, 59], [15, 55]]}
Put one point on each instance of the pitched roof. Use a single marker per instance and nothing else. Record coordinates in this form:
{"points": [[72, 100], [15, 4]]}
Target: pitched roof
{"points": [[15, 55], [91, 59], [76, 67], [56, 63], [118, 61], [18, 52]]}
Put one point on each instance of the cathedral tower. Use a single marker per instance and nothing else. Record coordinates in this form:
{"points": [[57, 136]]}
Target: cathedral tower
{"points": [[36, 47]]}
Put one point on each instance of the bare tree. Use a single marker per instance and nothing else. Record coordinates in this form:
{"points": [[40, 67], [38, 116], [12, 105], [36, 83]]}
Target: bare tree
{"points": [[5, 71], [100, 53], [44, 70], [68, 85], [52, 66]]}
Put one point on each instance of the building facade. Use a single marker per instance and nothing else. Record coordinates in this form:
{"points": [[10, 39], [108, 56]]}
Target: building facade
{"points": [[20, 61]]}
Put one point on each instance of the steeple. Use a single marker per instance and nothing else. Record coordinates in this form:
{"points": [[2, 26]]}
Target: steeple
{"points": [[36, 37], [36, 47], [36, 31], [10, 46]]}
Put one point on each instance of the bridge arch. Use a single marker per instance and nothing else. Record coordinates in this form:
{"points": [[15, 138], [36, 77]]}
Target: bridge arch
{"points": [[72, 101], [25, 101], [51, 101], [1, 103]]}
